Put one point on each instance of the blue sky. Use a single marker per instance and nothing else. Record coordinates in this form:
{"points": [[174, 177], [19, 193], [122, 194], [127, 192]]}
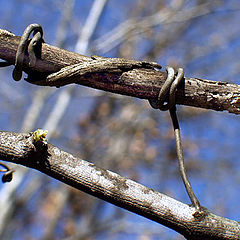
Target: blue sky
{"points": [[208, 48]]}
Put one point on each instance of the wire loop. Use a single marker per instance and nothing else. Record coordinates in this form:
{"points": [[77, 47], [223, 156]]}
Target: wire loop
{"points": [[37, 31]]}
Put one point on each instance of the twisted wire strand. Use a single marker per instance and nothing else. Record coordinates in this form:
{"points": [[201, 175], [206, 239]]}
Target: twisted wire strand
{"points": [[36, 40], [167, 94]]}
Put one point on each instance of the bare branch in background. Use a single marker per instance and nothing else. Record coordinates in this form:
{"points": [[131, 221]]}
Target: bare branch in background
{"points": [[65, 95], [133, 27]]}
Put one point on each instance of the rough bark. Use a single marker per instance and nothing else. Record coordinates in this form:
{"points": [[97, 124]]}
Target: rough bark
{"points": [[22, 149], [128, 77], [142, 82]]}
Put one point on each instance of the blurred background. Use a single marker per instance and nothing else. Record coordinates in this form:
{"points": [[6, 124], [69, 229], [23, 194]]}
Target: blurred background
{"points": [[117, 132]]}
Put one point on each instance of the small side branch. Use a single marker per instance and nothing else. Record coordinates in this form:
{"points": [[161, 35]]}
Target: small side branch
{"points": [[25, 150], [141, 80]]}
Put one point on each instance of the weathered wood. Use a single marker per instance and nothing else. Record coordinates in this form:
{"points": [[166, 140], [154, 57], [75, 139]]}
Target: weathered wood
{"points": [[20, 148], [142, 82]]}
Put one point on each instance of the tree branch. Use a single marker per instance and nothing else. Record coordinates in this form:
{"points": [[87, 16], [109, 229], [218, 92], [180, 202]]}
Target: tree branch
{"points": [[139, 81], [22, 149]]}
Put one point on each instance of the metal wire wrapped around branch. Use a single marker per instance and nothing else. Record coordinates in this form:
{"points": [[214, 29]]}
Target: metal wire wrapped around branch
{"points": [[167, 94]]}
